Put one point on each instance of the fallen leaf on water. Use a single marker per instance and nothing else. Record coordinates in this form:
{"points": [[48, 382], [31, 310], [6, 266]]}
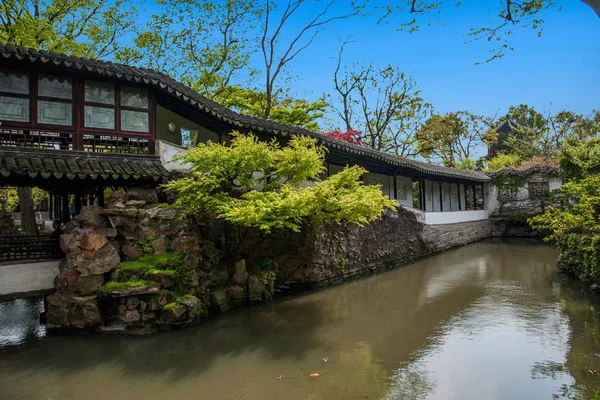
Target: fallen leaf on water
{"points": [[314, 374], [278, 377], [326, 359]]}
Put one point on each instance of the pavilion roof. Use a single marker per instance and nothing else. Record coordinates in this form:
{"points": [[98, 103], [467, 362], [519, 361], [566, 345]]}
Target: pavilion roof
{"points": [[23, 163]]}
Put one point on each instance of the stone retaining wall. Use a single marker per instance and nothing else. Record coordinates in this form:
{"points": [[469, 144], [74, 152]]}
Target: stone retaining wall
{"points": [[185, 270], [443, 237]]}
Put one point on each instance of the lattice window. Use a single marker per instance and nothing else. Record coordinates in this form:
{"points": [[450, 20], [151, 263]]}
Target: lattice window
{"points": [[99, 143], [36, 139], [508, 193], [538, 190]]}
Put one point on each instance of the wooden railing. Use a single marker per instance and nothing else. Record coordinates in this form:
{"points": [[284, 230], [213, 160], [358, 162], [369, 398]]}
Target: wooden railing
{"points": [[109, 142], [17, 248]]}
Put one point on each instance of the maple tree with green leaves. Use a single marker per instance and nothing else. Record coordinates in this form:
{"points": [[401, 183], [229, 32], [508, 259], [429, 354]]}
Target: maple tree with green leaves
{"points": [[263, 185]]}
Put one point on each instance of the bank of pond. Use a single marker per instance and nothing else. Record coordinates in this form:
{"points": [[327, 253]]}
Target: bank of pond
{"points": [[488, 320]]}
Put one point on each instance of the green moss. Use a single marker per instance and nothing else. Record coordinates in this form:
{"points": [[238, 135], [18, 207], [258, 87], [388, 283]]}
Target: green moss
{"points": [[119, 285], [162, 272], [179, 301], [166, 260], [133, 267]]}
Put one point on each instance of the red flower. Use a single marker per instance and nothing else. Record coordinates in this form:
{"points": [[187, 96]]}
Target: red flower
{"points": [[350, 136]]}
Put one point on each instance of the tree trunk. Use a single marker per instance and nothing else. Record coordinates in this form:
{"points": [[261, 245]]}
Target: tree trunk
{"points": [[28, 223]]}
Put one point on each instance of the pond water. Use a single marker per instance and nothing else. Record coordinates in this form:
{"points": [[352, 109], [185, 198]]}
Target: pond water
{"points": [[486, 321]]}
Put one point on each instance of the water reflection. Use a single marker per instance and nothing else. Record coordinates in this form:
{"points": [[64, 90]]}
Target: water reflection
{"points": [[19, 321], [485, 321]]}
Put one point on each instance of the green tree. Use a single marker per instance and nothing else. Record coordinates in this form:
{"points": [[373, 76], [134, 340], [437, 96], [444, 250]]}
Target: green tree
{"points": [[383, 103], [259, 184], [503, 161], [279, 48], [289, 111], [537, 136], [88, 28], [204, 44], [508, 17], [451, 138], [528, 124], [575, 226]]}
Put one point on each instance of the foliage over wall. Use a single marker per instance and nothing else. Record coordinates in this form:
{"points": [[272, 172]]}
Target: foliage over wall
{"points": [[575, 225], [259, 184]]}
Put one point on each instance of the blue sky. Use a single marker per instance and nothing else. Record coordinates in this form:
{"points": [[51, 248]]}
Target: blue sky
{"points": [[559, 70]]}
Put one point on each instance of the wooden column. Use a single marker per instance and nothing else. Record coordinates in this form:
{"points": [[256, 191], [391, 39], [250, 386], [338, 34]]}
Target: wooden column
{"points": [[482, 197], [77, 200], [395, 178], [459, 206], [441, 197], [101, 196], [65, 212], [422, 194]]}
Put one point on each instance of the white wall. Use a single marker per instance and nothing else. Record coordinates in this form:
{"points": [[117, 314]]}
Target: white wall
{"points": [[454, 197], [437, 218], [446, 197], [428, 196], [165, 117], [167, 151], [25, 278], [435, 187], [380, 179], [405, 194]]}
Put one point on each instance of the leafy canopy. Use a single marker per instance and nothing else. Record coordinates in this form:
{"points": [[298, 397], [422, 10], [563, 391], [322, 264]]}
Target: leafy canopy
{"points": [[451, 138], [575, 226], [88, 28], [263, 185]]}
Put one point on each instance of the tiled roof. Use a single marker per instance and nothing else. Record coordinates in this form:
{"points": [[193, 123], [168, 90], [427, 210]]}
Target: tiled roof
{"points": [[75, 164], [506, 126], [235, 120]]}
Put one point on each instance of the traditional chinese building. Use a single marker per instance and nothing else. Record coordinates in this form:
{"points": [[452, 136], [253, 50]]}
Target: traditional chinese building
{"points": [[76, 126]]}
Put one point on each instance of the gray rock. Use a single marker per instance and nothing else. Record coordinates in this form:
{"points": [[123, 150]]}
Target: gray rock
{"points": [[240, 275], [236, 294], [173, 314], [104, 260], [89, 284], [256, 288], [219, 301]]}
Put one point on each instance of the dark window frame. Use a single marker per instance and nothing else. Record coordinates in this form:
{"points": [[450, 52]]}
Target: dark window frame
{"points": [[77, 128]]}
